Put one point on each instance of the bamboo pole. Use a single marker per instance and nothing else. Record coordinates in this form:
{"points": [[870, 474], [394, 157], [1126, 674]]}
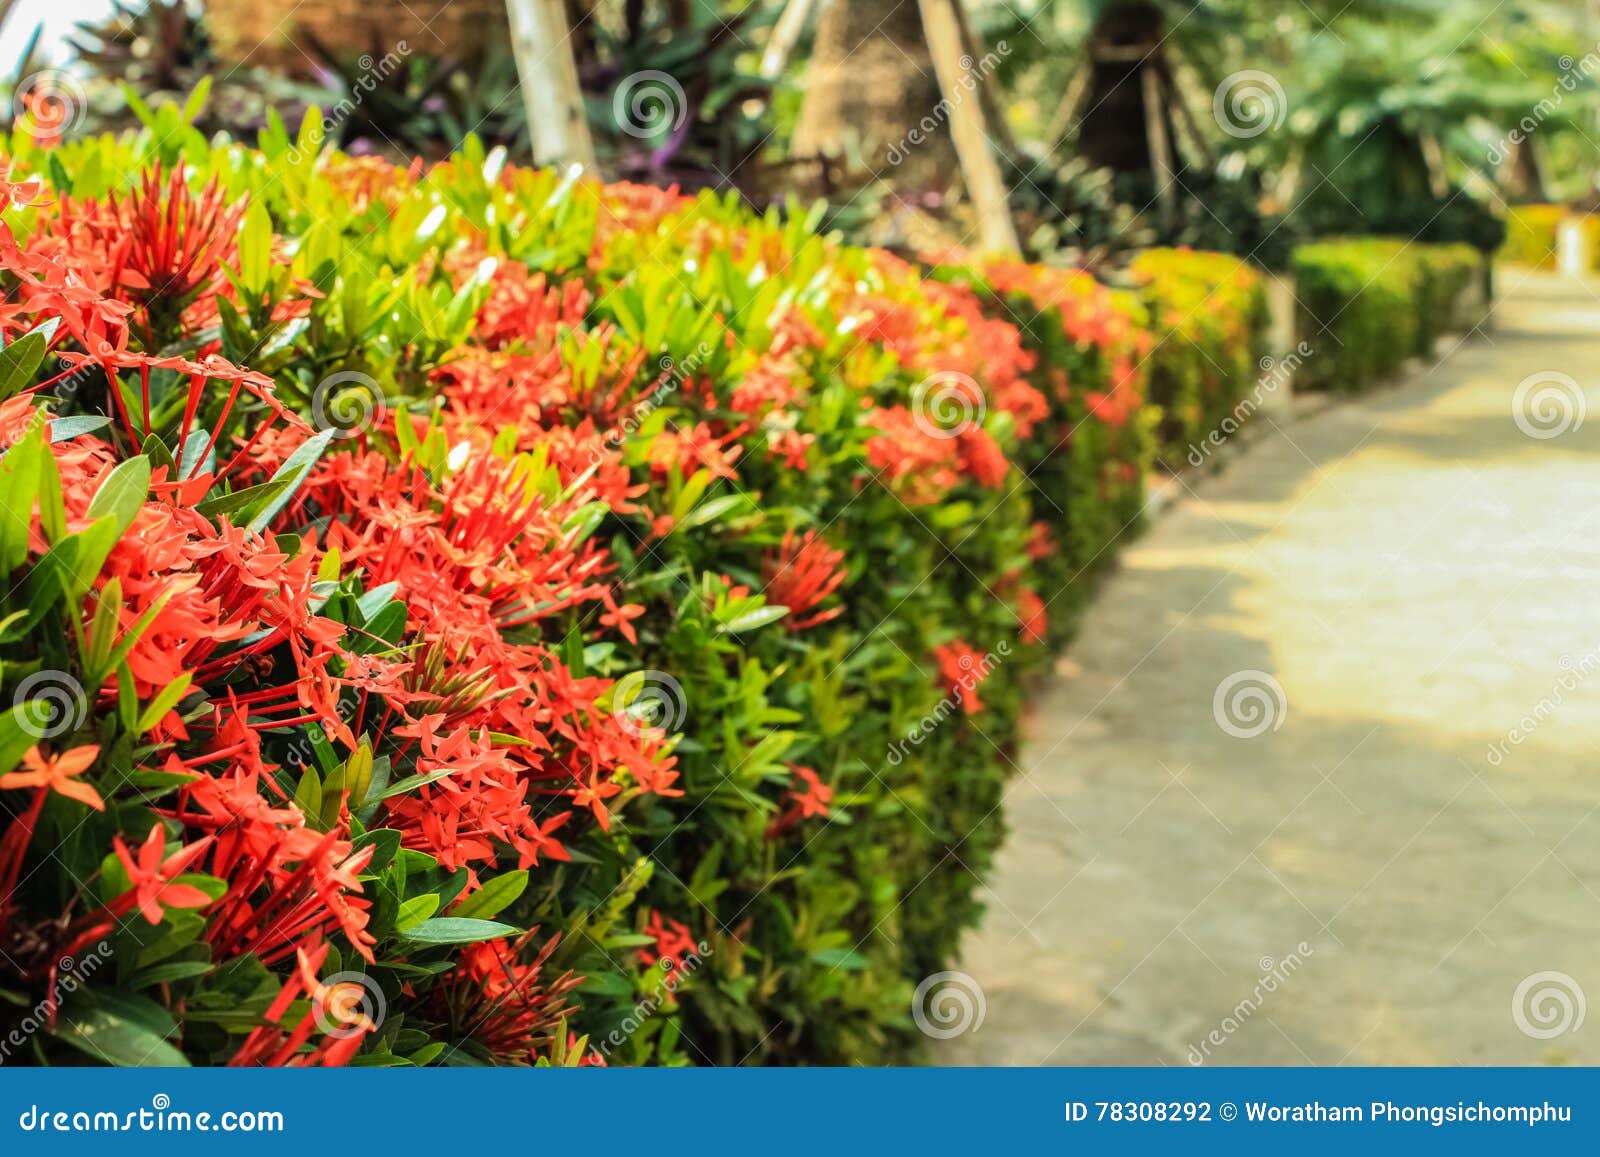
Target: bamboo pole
{"points": [[542, 45], [979, 169]]}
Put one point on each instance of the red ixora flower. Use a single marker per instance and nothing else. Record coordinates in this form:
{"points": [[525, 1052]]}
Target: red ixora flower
{"points": [[674, 941], [963, 667], [154, 878], [801, 574], [56, 773], [808, 800]]}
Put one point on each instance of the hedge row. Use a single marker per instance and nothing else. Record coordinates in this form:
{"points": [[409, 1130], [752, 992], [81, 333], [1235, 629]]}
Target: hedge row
{"points": [[591, 630], [1210, 314], [1532, 235], [1366, 305]]}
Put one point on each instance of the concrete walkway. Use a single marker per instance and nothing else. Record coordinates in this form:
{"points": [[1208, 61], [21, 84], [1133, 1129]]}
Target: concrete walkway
{"points": [[1382, 873]]}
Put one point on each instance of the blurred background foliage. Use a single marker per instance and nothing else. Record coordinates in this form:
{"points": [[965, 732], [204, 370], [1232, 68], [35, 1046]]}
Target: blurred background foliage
{"points": [[1373, 116]]}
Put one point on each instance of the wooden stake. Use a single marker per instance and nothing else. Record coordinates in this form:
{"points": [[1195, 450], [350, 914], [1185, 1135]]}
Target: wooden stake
{"points": [[1176, 98], [979, 169], [784, 35], [542, 45], [1155, 127]]}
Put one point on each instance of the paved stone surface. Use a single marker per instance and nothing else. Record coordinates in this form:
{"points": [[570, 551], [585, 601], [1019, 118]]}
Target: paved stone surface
{"points": [[1363, 882]]}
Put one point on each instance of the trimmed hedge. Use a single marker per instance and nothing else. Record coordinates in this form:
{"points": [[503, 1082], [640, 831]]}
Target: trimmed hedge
{"points": [[593, 629], [1531, 232], [1366, 305], [1210, 315]]}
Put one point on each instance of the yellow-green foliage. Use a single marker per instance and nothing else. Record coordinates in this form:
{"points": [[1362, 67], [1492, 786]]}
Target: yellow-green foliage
{"points": [[1367, 304]]}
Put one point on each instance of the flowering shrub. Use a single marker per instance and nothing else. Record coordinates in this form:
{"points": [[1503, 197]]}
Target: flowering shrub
{"points": [[591, 629], [1209, 312]]}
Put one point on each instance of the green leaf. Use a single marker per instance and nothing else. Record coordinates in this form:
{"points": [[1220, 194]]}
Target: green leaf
{"points": [[255, 248], [19, 361], [19, 483], [167, 973], [18, 731], [846, 958], [75, 426], [494, 897], [239, 499], [294, 470], [116, 1038], [759, 617], [415, 910], [412, 782], [166, 699], [458, 930], [711, 511], [122, 493]]}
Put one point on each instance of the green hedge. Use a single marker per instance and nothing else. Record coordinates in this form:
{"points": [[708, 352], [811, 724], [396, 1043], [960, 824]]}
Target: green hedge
{"points": [[1368, 304]]}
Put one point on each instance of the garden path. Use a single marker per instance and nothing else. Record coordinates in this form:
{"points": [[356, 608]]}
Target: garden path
{"points": [[1363, 882]]}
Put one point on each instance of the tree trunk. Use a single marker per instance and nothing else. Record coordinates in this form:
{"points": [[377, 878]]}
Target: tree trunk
{"points": [[1117, 126], [872, 97]]}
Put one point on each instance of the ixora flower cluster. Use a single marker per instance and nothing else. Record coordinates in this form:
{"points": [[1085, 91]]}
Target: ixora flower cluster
{"points": [[439, 605]]}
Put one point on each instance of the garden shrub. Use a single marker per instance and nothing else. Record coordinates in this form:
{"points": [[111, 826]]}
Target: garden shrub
{"points": [[1209, 313], [592, 630], [1368, 304], [1531, 232], [1445, 272]]}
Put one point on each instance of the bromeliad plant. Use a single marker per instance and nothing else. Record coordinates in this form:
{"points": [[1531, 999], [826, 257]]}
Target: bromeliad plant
{"points": [[470, 615]]}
